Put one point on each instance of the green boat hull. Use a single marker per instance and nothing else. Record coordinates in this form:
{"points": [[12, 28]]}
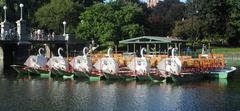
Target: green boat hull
{"points": [[20, 69], [143, 77], [40, 72], [95, 78], [153, 78], [61, 73], [157, 78], [222, 73], [68, 76], [187, 77], [83, 75], [118, 77]]}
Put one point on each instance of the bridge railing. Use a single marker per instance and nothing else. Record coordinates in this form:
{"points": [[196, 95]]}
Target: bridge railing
{"points": [[35, 38], [49, 38]]}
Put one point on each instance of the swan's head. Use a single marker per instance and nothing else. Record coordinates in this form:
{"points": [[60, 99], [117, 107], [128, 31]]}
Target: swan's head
{"points": [[85, 49], [39, 51]]}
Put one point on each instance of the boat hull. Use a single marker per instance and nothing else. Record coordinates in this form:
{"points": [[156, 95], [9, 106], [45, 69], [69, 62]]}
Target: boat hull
{"points": [[20, 69], [39, 72], [143, 77], [119, 77], [79, 74], [61, 73], [187, 77], [157, 78], [151, 77], [222, 73]]}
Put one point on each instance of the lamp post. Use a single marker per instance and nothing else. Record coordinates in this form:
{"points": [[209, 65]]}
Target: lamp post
{"points": [[5, 13], [64, 34], [21, 6], [64, 28]]}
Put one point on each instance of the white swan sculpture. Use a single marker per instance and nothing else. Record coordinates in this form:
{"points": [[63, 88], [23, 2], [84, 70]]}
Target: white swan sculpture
{"points": [[82, 63], [170, 65], [58, 62], [140, 64], [204, 51], [107, 64], [36, 61]]}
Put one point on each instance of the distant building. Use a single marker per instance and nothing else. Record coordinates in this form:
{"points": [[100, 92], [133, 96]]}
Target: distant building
{"points": [[152, 3]]}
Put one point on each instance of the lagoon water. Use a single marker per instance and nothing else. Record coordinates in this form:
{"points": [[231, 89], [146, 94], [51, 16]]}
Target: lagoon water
{"points": [[43, 94]]}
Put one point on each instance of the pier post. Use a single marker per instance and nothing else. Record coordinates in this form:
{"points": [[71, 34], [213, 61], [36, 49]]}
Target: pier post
{"points": [[21, 26], [5, 26], [148, 49], [179, 51], [21, 30], [134, 48]]}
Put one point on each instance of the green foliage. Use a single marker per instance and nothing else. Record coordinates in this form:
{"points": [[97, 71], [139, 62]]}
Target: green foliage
{"points": [[162, 18], [214, 16], [122, 19], [51, 15], [214, 20], [110, 22], [235, 14]]}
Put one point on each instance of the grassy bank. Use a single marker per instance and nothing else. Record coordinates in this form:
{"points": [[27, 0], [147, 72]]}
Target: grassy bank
{"points": [[232, 55], [226, 50]]}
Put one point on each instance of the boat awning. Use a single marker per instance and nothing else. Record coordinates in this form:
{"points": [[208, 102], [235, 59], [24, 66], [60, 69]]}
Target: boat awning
{"points": [[150, 40]]}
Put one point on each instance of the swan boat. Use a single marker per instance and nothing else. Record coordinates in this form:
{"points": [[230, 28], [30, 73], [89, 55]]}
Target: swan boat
{"points": [[179, 73], [82, 67], [111, 70], [35, 64], [142, 69], [59, 66]]}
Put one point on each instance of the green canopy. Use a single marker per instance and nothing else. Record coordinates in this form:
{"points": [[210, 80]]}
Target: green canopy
{"points": [[151, 40]]}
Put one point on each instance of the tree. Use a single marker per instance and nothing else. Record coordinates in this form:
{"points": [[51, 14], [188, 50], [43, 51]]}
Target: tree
{"points": [[214, 15], [87, 3], [234, 22], [110, 22], [187, 29], [51, 15], [162, 18]]}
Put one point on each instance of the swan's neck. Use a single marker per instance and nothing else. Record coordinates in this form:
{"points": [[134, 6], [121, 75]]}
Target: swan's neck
{"points": [[173, 52], [109, 50]]}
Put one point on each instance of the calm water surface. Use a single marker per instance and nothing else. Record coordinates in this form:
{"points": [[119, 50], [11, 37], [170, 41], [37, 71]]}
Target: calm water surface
{"points": [[33, 93]]}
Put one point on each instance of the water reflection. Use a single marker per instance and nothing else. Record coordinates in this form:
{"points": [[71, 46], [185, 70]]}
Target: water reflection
{"points": [[1, 66], [34, 93]]}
